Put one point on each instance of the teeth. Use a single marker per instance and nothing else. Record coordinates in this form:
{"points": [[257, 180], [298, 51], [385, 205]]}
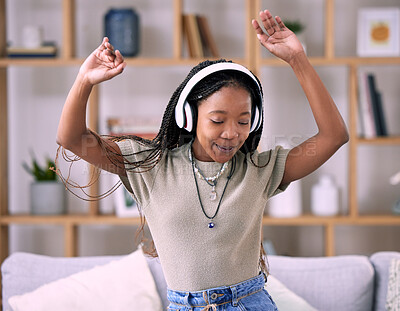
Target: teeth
{"points": [[225, 148]]}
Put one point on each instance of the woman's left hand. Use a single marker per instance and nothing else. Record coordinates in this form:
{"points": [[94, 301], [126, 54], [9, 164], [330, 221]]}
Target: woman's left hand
{"points": [[278, 39]]}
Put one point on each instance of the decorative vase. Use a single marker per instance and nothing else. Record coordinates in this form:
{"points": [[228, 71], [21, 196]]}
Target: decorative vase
{"points": [[122, 29], [325, 197], [47, 198], [287, 203]]}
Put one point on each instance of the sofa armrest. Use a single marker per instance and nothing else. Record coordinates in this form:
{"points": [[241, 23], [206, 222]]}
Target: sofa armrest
{"points": [[381, 262]]}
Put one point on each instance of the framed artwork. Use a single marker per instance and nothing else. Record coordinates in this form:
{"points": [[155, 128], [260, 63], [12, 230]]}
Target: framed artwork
{"points": [[125, 205], [378, 32]]}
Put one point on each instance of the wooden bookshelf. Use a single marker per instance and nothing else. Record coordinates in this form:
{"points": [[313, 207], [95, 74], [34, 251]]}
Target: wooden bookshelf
{"points": [[252, 59]]}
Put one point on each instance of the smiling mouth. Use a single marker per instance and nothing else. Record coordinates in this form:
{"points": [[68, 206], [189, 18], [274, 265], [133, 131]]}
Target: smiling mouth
{"points": [[225, 149]]}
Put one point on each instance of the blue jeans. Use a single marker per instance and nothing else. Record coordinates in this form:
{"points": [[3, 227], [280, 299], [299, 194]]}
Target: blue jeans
{"points": [[247, 295]]}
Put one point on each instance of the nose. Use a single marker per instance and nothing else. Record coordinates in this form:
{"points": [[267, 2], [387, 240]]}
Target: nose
{"points": [[230, 131]]}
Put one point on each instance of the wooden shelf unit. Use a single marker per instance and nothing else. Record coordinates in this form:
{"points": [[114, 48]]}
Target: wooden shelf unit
{"points": [[252, 59]]}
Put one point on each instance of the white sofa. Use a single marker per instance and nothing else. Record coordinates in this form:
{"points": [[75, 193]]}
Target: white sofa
{"points": [[356, 283]]}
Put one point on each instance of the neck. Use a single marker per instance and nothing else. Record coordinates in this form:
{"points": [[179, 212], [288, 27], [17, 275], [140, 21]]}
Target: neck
{"points": [[199, 153]]}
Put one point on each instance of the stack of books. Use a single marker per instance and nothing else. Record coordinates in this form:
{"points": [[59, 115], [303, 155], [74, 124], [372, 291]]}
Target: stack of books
{"points": [[200, 41], [371, 110], [46, 50]]}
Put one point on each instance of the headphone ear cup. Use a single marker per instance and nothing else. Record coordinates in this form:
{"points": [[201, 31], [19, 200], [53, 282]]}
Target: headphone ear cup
{"points": [[256, 120], [190, 117]]}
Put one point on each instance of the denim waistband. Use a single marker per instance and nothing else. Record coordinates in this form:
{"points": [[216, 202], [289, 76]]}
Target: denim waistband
{"points": [[218, 295]]}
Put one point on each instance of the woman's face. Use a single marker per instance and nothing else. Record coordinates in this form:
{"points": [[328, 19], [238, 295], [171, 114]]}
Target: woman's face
{"points": [[223, 124]]}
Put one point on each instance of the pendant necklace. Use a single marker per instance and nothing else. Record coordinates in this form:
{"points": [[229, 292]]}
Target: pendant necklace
{"points": [[212, 181], [211, 224]]}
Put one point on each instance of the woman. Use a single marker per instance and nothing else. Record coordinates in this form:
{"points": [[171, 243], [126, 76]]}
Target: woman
{"points": [[201, 184]]}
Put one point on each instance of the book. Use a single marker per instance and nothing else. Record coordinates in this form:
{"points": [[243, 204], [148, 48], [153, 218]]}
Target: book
{"points": [[207, 39], [47, 50], [367, 122], [197, 34], [187, 35], [377, 108], [381, 115], [192, 33]]}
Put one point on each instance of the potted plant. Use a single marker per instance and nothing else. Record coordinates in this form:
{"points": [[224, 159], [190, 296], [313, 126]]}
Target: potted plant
{"points": [[47, 194]]}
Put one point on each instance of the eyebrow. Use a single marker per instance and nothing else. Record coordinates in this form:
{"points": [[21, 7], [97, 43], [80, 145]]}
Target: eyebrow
{"points": [[225, 112]]}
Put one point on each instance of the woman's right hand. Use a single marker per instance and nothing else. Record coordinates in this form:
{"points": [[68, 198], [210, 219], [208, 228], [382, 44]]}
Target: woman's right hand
{"points": [[103, 64]]}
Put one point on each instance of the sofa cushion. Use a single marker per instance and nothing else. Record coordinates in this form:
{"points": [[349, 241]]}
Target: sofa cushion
{"points": [[381, 262], [285, 299], [24, 272], [328, 283], [122, 284]]}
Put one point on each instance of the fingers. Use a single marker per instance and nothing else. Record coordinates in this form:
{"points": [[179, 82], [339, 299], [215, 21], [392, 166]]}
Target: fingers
{"points": [[280, 22], [106, 47], [269, 22], [116, 70], [102, 45], [257, 27], [119, 59], [259, 31]]}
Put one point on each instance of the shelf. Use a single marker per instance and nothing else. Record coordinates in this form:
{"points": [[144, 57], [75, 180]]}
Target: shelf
{"points": [[27, 219], [305, 220], [390, 140], [310, 220], [338, 61], [60, 62], [140, 61], [39, 62]]}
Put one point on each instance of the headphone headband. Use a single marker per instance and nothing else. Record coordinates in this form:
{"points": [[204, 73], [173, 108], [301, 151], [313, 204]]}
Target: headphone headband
{"points": [[182, 107]]}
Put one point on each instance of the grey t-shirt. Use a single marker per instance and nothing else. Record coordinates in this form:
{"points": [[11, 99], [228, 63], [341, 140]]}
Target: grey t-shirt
{"points": [[193, 256]]}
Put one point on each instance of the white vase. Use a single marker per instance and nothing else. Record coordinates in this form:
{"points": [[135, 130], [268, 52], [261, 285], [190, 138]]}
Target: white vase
{"points": [[325, 197], [287, 203], [47, 198]]}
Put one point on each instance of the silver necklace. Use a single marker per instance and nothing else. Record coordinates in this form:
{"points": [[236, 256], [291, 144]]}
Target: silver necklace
{"points": [[212, 181], [228, 178]]}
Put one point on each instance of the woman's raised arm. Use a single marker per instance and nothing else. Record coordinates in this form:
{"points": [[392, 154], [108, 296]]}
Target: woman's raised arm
{"points": [[103, 64], [332, 131]]}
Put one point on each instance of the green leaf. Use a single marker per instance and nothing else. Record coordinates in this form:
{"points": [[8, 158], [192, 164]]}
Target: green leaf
{"points": [[45, 173]]}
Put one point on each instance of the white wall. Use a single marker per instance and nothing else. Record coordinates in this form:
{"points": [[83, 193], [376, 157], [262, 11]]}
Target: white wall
{"points": [[37, 94]]}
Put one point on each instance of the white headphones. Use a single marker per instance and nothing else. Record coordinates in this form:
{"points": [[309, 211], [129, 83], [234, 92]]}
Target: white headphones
{"points": [[184, 115]]}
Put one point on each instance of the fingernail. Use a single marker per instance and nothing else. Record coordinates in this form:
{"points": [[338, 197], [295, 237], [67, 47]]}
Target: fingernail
{"points": [[259, 36]]}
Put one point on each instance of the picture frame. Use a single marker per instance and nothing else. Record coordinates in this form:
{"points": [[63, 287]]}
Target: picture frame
{"points": [[125, 205], [378, 32]]}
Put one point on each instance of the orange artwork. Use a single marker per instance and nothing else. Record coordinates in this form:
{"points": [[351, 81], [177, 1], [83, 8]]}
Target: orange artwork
{"points": [[380, 32]]}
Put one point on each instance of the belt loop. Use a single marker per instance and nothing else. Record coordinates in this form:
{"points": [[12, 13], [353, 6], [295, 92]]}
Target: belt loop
{"points": [[234, 296], [186, 299], [205, 297], [265, 277]]}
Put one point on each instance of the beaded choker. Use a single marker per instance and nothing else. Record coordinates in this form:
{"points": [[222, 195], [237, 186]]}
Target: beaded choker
{"points": [[212, 181]]}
